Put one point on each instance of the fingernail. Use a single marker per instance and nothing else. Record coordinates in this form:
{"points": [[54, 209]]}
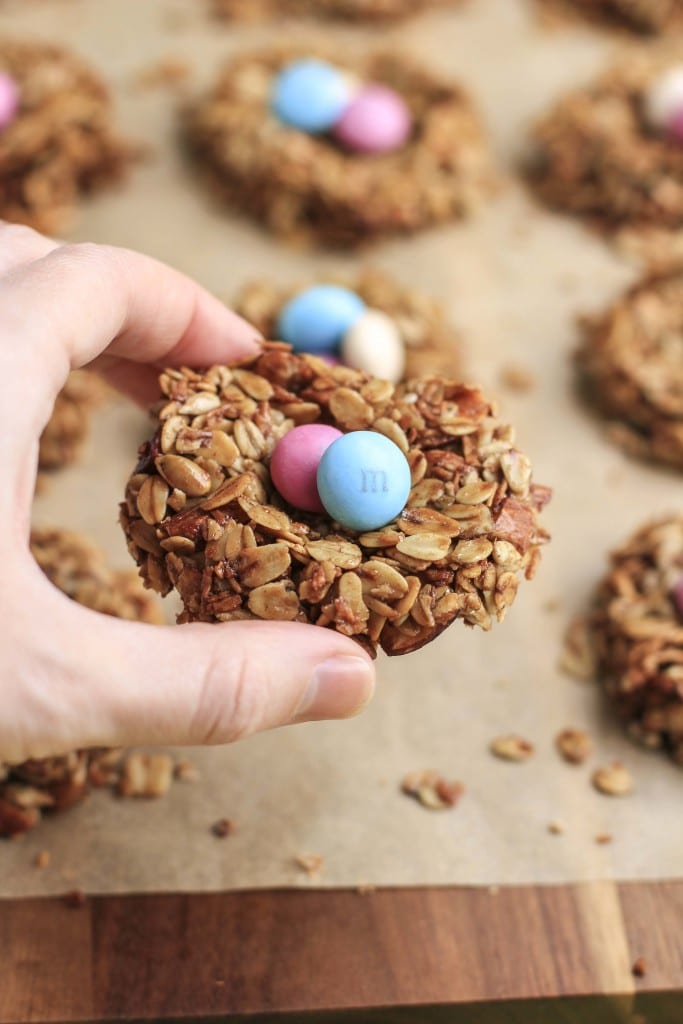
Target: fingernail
{"points": [[339, 688]]}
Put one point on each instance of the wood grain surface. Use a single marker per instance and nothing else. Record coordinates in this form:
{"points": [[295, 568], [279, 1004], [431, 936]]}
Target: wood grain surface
{"points": [[519, 954]]}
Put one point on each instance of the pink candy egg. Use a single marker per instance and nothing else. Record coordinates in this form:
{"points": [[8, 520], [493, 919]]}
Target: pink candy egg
{"points": [[294, 465], [9, 99], [376, 121]]}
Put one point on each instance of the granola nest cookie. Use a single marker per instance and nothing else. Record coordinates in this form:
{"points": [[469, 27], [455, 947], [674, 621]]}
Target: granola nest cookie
{"points": [[597, 155], [80, 571], [67, 428], [631, 363], [307, 187], [430, 344], [647, 17], [347, 10], [638, 634], [201, 514], [60, 143]]}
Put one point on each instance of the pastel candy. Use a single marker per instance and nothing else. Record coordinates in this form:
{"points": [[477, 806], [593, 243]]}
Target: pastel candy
{"points": [[377, 120], [364, 480], [9, 99], [294, 464], [374, 344], [311, 95], [317, 319], [665, 98]]}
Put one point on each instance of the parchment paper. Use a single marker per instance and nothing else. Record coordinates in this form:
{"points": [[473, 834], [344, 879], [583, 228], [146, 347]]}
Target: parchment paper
{"points": [[512, 279]]}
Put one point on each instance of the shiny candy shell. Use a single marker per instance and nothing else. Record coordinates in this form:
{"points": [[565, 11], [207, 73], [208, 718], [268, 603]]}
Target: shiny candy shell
{"points": [[364, 480], [311, 95], [317, 319], [665, 98], [377, 120], [9, 99], [294, 464], [374, 344]]}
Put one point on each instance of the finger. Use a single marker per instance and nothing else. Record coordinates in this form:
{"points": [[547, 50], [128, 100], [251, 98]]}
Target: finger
{"points": [[20, 244], [64, 309], [191, 684]]}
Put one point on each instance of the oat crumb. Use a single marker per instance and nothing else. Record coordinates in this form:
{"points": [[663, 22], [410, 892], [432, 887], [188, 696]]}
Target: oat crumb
{"points": [[517, 378], [223, 828], [42, 860], [511, 748], [603, 838], [556, 828], [311, 863], [639, 969]]}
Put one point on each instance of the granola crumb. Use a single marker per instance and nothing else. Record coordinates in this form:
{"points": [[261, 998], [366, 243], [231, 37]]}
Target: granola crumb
{"points": [[511, 748], [169, 72], [42, 860], [573, 745], [557, 828], [432, 790], [604, 838], [517, 378], [186, 771], [223, 828], [640, 967], [578, 656], [310, 863], [613, 780], [366, 888], [553, 604]]}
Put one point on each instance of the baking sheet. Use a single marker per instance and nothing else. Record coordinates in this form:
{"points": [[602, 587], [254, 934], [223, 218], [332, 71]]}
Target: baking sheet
{"points": [[512, 280]]}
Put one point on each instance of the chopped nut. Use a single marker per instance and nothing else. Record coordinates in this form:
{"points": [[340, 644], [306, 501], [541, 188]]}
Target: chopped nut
{"points": [[146, 775], [578, 654], [432, 790], [640, 967], [573, 745], [223, 828], [556, 828], [511, 748], [613, 780], [42, 860]]}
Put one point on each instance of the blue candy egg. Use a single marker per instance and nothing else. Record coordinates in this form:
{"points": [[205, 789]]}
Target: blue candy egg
{"points": [[363, 480], [310, 95], [317, 320]]}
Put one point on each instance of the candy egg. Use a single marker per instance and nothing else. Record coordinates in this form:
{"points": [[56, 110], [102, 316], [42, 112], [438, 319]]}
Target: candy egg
{"points": [[364, 480], [311, 95], [294, 464], [665, 97], [317, 319], [377, 120], [9, 99], [373, 344]]}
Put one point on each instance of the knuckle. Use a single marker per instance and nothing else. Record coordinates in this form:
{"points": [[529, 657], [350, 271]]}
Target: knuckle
{"points": [[17, 243]]}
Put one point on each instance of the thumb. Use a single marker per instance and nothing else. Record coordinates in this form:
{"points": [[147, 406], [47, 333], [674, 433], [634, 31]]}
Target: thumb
{"points": [[117, 683]]}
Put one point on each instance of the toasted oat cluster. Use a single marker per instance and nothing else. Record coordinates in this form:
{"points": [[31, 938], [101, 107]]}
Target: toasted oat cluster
{"points": [[61, 143], [595, 155], [631, 361], [306, 187], [52, 784], [644, 16], [349, 10], [201, 514], [638, 633], [431, 344], [66, 430]]}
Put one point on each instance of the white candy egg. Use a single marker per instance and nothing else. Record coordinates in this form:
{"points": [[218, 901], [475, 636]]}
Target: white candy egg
{"points": [[374, 344], [665, 97]]}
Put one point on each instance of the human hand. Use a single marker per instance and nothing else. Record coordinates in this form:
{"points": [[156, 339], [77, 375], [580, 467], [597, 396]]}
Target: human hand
{"points": [[70, 678]]}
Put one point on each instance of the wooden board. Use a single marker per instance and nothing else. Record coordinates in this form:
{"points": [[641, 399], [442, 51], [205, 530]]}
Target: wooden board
{"points": [[515, 955]]}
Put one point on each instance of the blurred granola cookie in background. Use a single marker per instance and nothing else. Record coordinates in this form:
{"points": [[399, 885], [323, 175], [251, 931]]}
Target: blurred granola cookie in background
{"points": [[637, 631], [612, 152], [80, 570], [67, 428], [647, 17], [394, 149], [57, 138], [429, 344], [630, 364]]}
